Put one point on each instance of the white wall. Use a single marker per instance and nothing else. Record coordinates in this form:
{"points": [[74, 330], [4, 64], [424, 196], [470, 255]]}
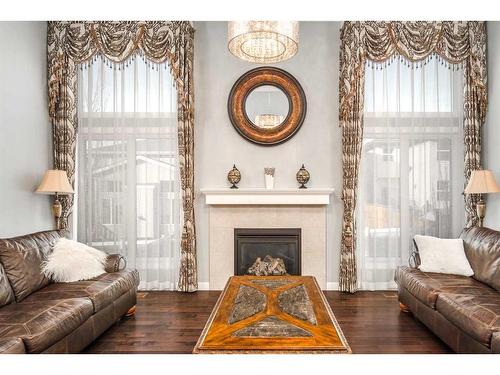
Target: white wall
{"points": [[491, 131], [25, 150], [317, 144]]}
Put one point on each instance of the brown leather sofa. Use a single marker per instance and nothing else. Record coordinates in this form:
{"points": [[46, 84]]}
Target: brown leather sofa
{"points": [[39, 316], [463, 311]]}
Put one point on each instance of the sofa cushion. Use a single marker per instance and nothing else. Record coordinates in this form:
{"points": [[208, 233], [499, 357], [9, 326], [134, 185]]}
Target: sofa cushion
{"points": [[22, 259], [101, 290], [482, 247], [442, 255], [6, 293], [477, 315], [426, 286], [11, 345], [41, 324], [72, 261]]}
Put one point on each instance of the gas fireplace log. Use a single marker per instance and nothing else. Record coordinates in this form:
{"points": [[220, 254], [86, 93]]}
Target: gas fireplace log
{"points": [[268, 267]]}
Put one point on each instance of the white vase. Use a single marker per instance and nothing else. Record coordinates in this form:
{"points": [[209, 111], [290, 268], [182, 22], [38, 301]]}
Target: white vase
{"points": [[269, 181]]}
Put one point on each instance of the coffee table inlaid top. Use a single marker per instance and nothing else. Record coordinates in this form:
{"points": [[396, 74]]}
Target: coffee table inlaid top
{"points": [[272, 314]]}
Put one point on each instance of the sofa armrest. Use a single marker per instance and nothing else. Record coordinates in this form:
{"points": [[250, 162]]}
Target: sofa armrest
{"points": [[495, 343], [414, 260], [115, 263], [12, 345]]}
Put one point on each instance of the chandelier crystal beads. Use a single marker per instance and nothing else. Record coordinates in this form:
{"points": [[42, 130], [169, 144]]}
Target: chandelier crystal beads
{"points": [[263, 42]]}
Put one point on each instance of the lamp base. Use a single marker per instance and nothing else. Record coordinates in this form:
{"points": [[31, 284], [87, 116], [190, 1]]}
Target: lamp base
{"points": [[57, 212], [481, 211]]}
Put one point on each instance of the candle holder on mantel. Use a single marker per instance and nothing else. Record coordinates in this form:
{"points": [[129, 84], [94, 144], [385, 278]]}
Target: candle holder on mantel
{"points": [[303, 177], [234, 176], [269, 178]]}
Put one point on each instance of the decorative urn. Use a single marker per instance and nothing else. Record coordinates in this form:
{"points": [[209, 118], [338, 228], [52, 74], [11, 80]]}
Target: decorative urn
{"points": [[234, 176], [303, 177]]}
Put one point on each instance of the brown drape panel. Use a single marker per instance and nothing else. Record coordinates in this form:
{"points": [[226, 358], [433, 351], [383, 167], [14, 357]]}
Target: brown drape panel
{"points": [[454, 42], [72, 43]]}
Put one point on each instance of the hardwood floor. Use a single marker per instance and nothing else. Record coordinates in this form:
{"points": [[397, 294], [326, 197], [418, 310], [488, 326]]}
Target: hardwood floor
{"points": [[169, 322]]}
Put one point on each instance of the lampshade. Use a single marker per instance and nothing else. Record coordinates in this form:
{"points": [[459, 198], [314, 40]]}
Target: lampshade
{"points": [[55, 181], [482, 181], [263, 41]]}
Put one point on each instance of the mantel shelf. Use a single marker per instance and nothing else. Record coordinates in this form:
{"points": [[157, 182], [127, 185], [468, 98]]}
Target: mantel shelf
{"points": [[261, 196]]}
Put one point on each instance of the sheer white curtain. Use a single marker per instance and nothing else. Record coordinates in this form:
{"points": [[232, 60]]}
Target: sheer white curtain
{"points": [[128, 175], [411, 173]]}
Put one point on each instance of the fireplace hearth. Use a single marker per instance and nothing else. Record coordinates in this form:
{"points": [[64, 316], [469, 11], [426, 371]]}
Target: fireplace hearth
{"points": [[253, 243]]}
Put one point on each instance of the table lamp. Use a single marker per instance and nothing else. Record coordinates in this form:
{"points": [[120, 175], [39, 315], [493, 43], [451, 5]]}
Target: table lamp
{"points": [[481, 182], [55, 182]]}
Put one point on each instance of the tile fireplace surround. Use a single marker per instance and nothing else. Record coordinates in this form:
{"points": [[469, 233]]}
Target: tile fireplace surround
{"points": [[261, 208]]}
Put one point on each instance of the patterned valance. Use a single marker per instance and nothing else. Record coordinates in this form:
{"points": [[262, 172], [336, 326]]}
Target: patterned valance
{"points": [[455, 42], [73, 43]]}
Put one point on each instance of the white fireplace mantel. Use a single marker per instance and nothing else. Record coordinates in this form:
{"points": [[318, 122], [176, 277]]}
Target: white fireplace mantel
{"points": [[260, 196]]}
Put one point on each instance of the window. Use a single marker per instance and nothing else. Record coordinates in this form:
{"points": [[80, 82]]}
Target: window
{"points": [[411, 166], [128, 176]]}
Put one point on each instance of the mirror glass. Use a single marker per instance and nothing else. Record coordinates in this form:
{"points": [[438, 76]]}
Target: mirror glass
{"points": [[267, 106]]}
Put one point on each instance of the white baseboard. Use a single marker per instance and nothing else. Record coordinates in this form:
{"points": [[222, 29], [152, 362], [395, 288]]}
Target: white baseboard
{"points": [[332, 286], [204, 286], [329, 286]]}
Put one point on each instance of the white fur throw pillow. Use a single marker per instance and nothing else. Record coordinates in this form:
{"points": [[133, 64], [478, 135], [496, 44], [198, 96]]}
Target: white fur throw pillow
{"points": [[442, 256], [73, 261]]}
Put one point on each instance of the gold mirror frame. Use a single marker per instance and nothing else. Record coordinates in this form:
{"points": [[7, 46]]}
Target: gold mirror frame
{"points": [[267, 76]]}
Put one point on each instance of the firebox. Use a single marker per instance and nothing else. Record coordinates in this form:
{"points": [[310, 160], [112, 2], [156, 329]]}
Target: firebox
{"points": [[253, 243]]}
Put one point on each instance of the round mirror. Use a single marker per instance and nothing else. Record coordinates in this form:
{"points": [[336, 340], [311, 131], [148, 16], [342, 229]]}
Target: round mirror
{"points": [[267, 106]]}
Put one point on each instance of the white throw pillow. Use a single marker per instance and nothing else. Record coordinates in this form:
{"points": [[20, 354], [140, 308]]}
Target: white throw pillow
{"points": [[442, 256], [73, 261]]}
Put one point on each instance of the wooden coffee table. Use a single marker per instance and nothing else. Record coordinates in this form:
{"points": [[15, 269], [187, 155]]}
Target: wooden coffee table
{"points": [[272, 314]]}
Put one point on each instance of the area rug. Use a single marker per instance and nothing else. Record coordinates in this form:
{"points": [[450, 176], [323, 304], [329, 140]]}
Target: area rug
{"points": [[272, 314]]}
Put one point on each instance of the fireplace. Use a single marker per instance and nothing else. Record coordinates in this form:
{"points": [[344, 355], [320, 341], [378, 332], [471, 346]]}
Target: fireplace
{"points": [[253, 243]]}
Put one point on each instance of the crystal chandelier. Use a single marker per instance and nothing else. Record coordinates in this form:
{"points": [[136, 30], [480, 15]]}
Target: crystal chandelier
{"points": [[263, 41], [268, 121]]}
